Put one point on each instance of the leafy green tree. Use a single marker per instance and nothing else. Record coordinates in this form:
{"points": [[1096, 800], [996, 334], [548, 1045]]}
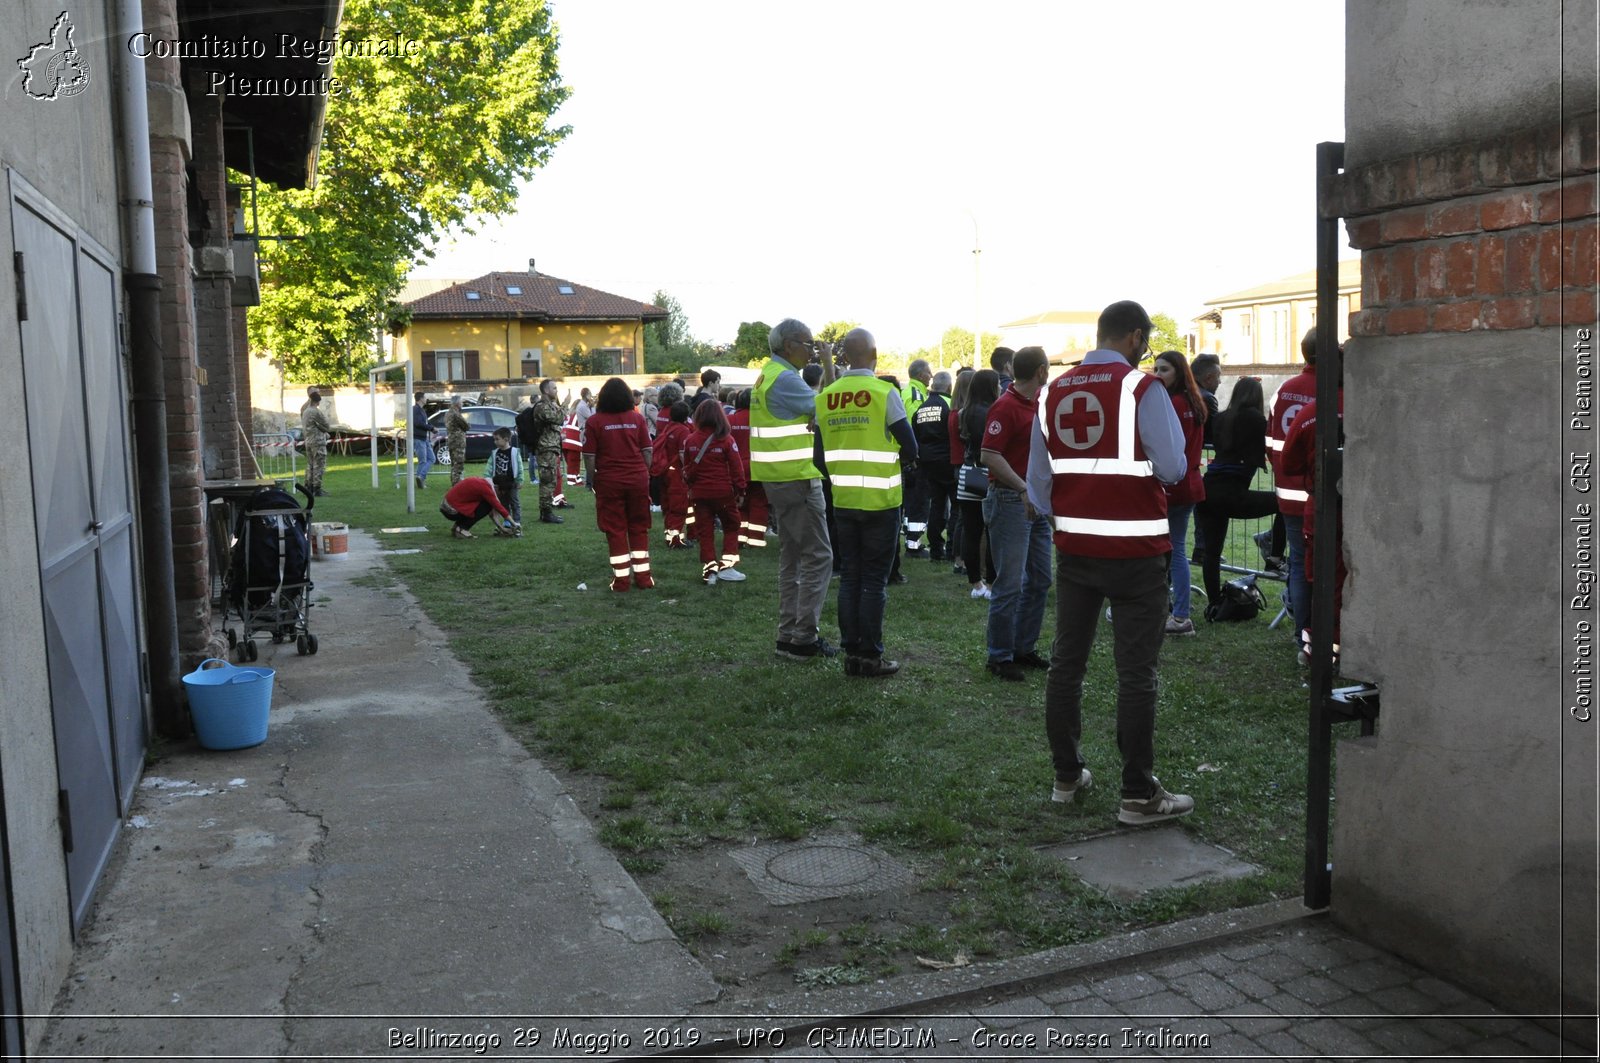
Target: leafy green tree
{"points": [[750, 345], [413, 149], [834, 331], [1166, 336], [956, 346]]}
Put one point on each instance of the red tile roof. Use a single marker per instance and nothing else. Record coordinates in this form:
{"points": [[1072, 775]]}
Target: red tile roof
{"points": [[542, 298]]}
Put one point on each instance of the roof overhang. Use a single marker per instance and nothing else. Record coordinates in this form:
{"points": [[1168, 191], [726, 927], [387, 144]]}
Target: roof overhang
{"points": [[274, 134]]}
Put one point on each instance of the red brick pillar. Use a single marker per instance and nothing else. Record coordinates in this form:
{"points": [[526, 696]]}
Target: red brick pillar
{"points": [[1497, 235], [213, 308]]}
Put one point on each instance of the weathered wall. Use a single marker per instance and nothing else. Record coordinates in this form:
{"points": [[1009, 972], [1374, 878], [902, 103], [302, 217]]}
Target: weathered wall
{"points": [[1465, 829], [60, 147]]}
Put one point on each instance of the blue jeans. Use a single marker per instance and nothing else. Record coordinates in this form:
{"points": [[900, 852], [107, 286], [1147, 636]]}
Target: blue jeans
{"points": [[423, 451], [1021, 552], [866, 549], [1299, 589], [1178, 528]]}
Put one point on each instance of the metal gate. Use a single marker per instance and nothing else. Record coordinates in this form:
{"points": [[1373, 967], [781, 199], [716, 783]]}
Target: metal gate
{"points": [[75, 396]]}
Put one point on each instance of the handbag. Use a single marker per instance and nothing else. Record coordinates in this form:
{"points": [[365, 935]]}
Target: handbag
{"points": [[972, 483]]}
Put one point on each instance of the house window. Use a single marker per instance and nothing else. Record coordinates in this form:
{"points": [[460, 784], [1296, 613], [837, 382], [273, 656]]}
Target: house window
{"points": [[450, 365], [1244, 325], [512, 289], [607, 359], [532, 362], [565, 289]]}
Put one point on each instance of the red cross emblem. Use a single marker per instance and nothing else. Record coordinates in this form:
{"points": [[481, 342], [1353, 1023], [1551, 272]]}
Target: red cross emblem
{"points": [[1080, 420]]}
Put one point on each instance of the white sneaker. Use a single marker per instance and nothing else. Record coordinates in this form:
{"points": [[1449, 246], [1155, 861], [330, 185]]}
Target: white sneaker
{"points": [[1064, 793], [982, 591], [731, 575], [655, 509]]}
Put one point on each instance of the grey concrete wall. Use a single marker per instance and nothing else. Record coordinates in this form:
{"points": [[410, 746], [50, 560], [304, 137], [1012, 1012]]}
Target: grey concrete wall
{"points": [[63, 148], [1448, 842], [1420, 74]]}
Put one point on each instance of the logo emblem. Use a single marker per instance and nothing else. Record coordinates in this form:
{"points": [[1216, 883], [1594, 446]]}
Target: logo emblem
{"points": [[994, 428], [1289, 414], [1080, 420], [55, 69]]}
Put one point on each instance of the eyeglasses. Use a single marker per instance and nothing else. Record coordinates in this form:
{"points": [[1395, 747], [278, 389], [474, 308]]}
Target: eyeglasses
{"points": [[809, 345]]}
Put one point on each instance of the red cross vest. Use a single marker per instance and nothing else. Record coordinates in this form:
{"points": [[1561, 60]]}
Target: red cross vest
{"points": [[1104, 492], [571, 434], [1296, 392]]}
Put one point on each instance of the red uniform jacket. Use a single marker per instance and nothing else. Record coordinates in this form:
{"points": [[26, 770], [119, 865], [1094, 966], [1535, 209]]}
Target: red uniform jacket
{"points": [[1192, 488], [719, 473], [1295, 393]]}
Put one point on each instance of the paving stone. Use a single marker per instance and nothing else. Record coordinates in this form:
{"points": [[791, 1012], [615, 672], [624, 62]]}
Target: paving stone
{"points": [[1368, 975], [1406, 1037], [1284, 1004], [1536, 1037], [1254, 1027], [1352, 949], [1217, 963], [1315, 989], [1402, 1000], [1282, 1044], [1441, 991], [1012, 1012], [1448, 1031], [1089, 1005], [1277, 967], [1314, 954], [1063, 994], [1208, 991], [1234, 1044], [1127, 987], [1164, 1003], [1249, 951], [1177, 970], [1129, 864], [1250, 984], [1334, 1038]]}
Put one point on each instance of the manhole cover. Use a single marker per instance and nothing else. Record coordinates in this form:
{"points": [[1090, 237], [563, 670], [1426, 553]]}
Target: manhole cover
{"points": [[819, 868], [1129, 863]]}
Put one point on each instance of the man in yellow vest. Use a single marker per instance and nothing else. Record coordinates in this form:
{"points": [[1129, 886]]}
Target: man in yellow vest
{"points": [[781, 409], [865, 437]]}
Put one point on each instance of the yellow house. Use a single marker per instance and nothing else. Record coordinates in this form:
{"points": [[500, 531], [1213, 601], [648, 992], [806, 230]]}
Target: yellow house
{"points": [[503, 327], [1263, 325]]}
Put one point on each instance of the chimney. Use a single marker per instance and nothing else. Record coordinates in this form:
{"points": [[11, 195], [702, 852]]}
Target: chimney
{"points": [[530, 266]]}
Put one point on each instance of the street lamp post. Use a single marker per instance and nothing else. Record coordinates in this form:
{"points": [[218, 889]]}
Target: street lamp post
{"points": [[977, 293]]}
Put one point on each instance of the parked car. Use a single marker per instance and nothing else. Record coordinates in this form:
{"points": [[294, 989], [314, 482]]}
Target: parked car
{"points": [[481, 423]]}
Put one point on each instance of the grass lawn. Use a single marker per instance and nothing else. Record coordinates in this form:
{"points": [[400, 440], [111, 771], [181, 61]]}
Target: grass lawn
{"points": [[682, 734]]}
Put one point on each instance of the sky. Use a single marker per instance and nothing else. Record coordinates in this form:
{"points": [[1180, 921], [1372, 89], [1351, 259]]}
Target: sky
{"points": [[841, 161]]}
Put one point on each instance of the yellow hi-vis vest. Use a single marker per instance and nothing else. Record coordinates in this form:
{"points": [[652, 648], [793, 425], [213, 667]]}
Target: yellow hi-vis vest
{"points": [[780, 450], [863, 459], [913, 394]]}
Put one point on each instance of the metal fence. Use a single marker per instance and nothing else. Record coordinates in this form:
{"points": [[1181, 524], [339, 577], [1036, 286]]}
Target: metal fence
{"points": [[275, 455]]}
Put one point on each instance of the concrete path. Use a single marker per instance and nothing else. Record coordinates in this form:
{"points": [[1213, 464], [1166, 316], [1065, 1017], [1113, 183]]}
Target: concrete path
{"points": [[389, 852]]}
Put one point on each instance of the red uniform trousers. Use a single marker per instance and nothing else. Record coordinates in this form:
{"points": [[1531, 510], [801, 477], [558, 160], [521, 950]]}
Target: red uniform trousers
{"points": [[574, 463], [674, 504], [622, 513], [707, 510], [754, 515]]}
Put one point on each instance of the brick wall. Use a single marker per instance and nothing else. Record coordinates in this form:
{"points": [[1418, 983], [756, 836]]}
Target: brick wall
{"points": [[169, 158], [1497, 235], [213, 308]]}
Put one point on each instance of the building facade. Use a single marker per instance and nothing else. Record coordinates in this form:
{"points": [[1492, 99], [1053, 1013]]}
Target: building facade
{"points": [[1465, 830], [1262, 325], [505, 327]]}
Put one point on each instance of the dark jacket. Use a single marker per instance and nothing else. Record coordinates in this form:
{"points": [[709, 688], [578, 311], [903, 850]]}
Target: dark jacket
{"points": [[931, 424]]}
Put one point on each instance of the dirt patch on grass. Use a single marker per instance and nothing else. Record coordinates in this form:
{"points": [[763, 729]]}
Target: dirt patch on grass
{"points": [[755, 948]]}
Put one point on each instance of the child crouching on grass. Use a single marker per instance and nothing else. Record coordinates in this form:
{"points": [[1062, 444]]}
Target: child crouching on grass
{"points": [[716, 479], [504, 470]]}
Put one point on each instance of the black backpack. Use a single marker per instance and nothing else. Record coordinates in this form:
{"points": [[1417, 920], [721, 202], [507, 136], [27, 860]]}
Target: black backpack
{"points": [[1240, 600]]}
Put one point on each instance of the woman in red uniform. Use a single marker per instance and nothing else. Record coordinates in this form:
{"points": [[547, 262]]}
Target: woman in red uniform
{"points": [[616, 460], [667, 463], [716, 478], [1172, 368]]}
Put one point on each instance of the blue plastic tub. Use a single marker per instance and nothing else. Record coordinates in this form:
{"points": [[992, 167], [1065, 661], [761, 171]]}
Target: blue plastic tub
{"points": [[229, 705]]}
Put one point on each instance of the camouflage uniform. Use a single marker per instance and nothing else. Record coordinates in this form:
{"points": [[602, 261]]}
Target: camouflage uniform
{"points": [[549, 416], [314, 429], [456, 430]]}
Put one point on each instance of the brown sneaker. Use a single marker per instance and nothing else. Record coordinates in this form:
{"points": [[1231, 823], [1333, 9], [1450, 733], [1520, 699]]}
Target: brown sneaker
{"points": [[1155, 808]]}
